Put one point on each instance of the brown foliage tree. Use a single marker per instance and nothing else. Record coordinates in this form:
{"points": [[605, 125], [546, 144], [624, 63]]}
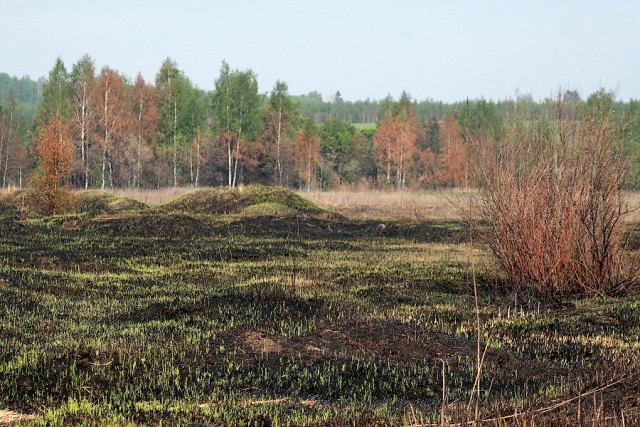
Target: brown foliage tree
{"points": [[425, 168], [385, 139], [307, 154], [55, 157], [453, 161], [145, 102], [396, 140], [115, 120]]}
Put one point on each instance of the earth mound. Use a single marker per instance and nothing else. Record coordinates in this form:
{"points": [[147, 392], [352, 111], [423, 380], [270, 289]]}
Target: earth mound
{"points": [[95, 202], [254, 200], [22, 203]]}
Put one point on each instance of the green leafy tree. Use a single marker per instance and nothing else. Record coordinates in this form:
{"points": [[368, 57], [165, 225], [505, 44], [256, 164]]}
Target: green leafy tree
{"points": [[180, 113], [632, 144], [312, 106], [482, 117], [82, 114], [236, 114], [168, 86], [199, 135], [601, 101], [280, 114], [571, 96], [335, 136], [432, 141], [56, 92], [388, 108], [25, 90]]}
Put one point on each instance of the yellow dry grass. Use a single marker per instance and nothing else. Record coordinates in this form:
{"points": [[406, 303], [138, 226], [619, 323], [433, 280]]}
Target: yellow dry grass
{"points": [[406, 205], [416, 205], [634, 204]]}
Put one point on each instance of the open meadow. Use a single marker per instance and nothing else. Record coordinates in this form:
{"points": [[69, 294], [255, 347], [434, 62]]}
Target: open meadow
{"points": [[258, 307]]}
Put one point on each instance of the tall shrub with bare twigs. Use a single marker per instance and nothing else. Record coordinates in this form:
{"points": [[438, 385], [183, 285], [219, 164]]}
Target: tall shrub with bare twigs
{"points": [[551, 193]]}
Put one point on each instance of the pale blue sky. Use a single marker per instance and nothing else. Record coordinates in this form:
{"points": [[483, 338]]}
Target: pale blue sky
{"points": [[445, 50]]}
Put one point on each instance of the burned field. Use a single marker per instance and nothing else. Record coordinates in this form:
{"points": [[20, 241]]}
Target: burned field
{"points": [[260, 308]]}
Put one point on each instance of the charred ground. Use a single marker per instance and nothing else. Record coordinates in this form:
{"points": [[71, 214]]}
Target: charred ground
{"points": [[260, 308]]}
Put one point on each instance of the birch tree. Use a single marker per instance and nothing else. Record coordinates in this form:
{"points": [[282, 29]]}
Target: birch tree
{"points": [[179, 113], [236, 114], [396, 138], [307, 152], [280, 114], [7, 125], [82, 112], [112, 118], [385, 140], [145, 110]]}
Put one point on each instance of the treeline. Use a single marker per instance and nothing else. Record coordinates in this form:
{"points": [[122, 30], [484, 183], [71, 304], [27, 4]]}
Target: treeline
{"points": [[135, 133], [25, 91]]}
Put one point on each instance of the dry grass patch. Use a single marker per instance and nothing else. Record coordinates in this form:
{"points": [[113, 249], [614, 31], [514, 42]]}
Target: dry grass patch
{"points": [[9, 417], [633, 199], [259, 342], [403, 205], [417, 205]]}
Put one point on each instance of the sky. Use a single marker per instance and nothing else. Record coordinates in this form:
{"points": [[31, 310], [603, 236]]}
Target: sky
{"points": [[445, 50]]}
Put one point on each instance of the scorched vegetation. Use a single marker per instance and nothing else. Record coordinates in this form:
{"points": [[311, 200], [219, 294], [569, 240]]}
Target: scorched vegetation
{"points": [[256, 307]]}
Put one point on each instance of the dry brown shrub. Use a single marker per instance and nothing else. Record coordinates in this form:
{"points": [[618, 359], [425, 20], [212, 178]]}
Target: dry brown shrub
{"points": [[551, 193], [51, 200]]}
